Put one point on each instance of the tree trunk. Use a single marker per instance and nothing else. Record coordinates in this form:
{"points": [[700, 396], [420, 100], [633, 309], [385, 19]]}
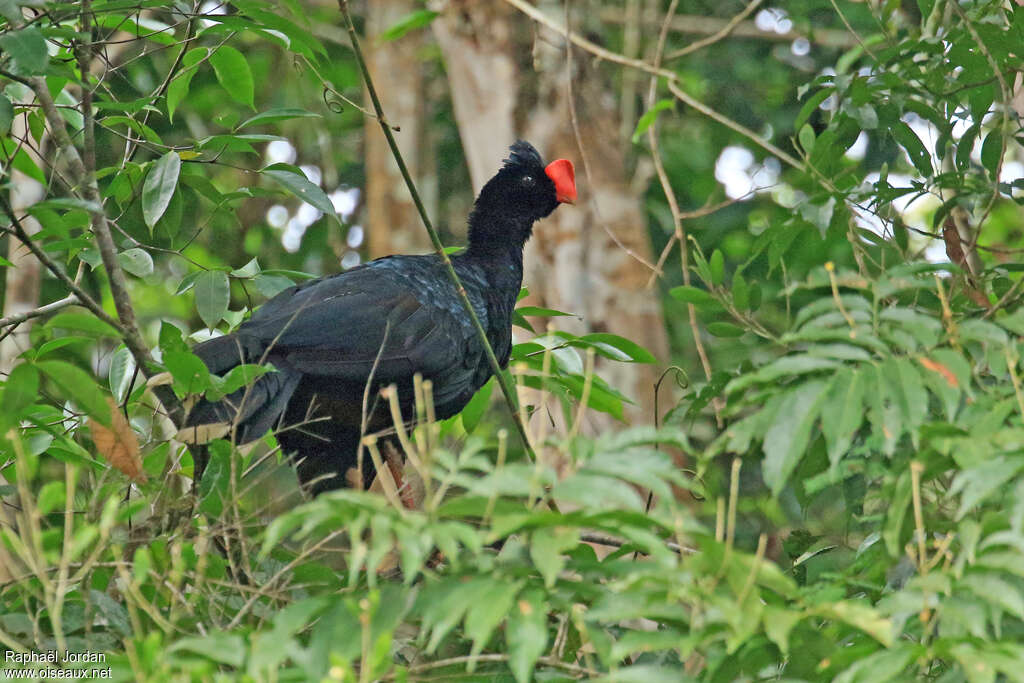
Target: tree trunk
{"points": [[393, 225]]}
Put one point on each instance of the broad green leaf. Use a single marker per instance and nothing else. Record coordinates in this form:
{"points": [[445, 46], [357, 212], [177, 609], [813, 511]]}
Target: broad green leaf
{"points": [[27, 48], [178, 88], [217, 646], [650, 116], [275, 115], [122, 368], [526, 633], [19, 391], [547, 547], [82, 322], [723, 329], [410, 22], [161, 181], [861, 616], [788, 436], [717, 265], [6, 114], [51, 497], [476, 407], [982, 480], [299, 186], [991, 151], [190, 374], [692, 295], [908, 139], [996, 591], [136, 261], [812, 103], [842, 412], [484, 616], [79, 385], [216, 481], [233, 73], [213, 294], [619, 348]]}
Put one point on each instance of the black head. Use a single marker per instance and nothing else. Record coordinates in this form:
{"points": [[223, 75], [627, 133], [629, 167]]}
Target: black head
{"points": [[523, 191]]}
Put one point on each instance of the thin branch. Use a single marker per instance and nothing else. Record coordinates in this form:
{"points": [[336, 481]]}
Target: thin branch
{"points": [[718, 35], [703, 25], [17, 319], [84, 185], [492, 360], [18, 230]]}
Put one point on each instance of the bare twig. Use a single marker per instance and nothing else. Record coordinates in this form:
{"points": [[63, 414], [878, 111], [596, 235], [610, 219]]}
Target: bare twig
{"points": [[679, 231], [718, 35], [703, 25], [17, 319]]}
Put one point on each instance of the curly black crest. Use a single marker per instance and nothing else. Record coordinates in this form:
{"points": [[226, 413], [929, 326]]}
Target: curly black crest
{"points": [[522, 153]]}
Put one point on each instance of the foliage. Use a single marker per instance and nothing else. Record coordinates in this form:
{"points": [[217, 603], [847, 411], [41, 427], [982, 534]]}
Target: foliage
{"points": [[852, 507]]}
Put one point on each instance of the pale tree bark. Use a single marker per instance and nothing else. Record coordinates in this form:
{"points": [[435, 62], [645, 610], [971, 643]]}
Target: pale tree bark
{"points": [[579, 259], [22, 282], [391, 218]]}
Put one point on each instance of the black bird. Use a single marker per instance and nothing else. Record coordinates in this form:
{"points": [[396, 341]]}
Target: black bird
{"points": [[379, 324]]}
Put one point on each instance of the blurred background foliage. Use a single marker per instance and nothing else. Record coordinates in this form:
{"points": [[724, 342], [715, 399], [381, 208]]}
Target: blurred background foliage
{"points": [[806, 464]]}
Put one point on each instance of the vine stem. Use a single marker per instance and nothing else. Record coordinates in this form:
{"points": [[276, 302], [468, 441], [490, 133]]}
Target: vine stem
{"points": [[506, 389]]}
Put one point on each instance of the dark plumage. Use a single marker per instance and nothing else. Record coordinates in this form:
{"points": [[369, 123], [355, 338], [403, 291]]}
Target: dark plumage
{"points": [[324, 336]]}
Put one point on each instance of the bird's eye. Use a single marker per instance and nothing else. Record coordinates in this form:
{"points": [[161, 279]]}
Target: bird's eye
{"points": [[527, 180]]}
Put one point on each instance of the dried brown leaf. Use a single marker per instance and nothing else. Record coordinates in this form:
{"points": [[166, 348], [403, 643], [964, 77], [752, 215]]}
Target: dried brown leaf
{"points": [[118, 444]]}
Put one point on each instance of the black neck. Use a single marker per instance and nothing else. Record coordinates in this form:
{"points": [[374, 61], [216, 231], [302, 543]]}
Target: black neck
{"points": [[493, 235]]}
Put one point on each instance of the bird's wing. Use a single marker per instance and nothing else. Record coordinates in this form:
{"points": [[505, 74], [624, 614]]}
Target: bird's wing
{"points": [[402, 319]]}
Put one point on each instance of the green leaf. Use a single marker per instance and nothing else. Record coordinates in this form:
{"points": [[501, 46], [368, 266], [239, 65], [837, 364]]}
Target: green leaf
{"points": [[717, 265], [861, 616], [122, 369], [6, 114], [812, 103], [233, 73], [982, 480], [692, 295], [477, 406], [526, 633], [178, 88], [275, 115], [20, 391], [908, 139], [740, 291], [51, 497], [223, 648], [992, 151], [161, 181], [409, 22], [788, 436], [806, 138], [27, 48], [213, 294], [213, 487], [842, 412], [79, 386], [722, 329], [190, 374], [649, 117], [619, 348], [136, 261], [547, 548], [484, 616], [539, 312], [299, 186]]}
